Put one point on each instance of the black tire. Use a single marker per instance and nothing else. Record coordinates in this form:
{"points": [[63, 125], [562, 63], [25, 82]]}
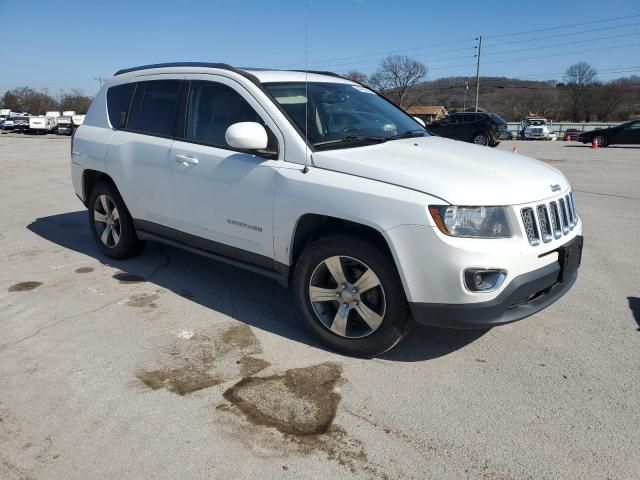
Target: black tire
{"points": [[480, 138], [396, 319], [128, 244], [602, 140]]}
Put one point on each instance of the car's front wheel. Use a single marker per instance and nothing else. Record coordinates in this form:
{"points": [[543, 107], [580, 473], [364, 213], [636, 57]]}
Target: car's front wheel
{"points": [[601, 140], [350, 295], [111, 224], [481, 139]]}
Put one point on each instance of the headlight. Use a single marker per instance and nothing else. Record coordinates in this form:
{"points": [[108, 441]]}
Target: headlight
{"points": [[480, 222]]}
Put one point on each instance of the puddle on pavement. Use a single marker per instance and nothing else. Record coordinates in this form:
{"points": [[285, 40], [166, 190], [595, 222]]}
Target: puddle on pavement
{"points": [[251, 365], [24, 286], [143, 300], [182, 381], [200, 361], [84, 270], [302, 401], [127, 278], [301, 404]]}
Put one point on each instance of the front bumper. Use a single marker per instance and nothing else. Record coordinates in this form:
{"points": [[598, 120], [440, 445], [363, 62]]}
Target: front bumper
{"points": [[525, 295]]}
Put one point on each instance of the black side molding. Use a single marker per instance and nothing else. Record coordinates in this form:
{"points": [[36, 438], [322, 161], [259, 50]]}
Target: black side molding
{"points": [[216, 251]]}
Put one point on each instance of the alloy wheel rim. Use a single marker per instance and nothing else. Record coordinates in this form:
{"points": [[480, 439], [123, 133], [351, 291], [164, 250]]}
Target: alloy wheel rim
{"points": [[480, 140], [107, 221], [347, 297]]}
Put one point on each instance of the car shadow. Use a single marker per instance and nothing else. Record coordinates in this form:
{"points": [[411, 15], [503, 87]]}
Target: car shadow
{"points": [[250, 298], [634, 305]]}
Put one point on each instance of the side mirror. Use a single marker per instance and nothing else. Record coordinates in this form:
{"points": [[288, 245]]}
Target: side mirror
{"points": [[420, 121], [247, 136]]}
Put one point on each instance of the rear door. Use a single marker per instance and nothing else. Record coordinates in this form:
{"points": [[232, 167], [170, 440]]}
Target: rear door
{"points": [[138, 154], [223, 195]]}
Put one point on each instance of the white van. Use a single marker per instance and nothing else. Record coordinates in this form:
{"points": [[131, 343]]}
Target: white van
{"points": [[324, 185]]}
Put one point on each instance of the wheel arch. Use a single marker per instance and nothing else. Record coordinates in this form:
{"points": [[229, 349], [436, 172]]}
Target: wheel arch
{"points": [[311, 226], [90, 178]]}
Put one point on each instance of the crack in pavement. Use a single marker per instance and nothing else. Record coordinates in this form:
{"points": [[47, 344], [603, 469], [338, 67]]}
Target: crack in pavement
{"points": [[607, 194], [167, 261]]}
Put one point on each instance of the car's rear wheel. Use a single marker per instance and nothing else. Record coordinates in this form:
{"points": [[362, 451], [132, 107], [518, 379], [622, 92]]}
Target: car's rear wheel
{"points": [[111, 224], [602, 140], [481, 139], [350, 295]]}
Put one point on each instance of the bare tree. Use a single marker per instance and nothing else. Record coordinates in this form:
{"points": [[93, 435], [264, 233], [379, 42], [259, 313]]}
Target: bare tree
{"points": [[356, 76], [580, 79], [609, 97], [75, 100], [29, 100], [396, 76]]}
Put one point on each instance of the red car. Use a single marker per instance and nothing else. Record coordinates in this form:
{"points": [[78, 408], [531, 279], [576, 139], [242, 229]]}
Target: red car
{"points": [[572, 134]]}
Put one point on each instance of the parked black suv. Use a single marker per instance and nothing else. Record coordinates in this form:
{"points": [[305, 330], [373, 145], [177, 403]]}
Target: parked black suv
{"points": [[478, 127]]}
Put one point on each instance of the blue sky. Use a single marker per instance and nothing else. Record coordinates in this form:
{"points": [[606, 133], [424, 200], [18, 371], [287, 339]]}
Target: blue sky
{"points": [[65, 44]]}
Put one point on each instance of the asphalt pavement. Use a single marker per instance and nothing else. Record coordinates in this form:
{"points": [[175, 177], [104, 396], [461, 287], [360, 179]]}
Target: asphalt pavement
{"points": [[171, 365]]}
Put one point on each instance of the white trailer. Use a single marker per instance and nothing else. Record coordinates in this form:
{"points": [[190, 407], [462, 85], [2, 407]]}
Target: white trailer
{"points": [[77, 120], [42, 124]]}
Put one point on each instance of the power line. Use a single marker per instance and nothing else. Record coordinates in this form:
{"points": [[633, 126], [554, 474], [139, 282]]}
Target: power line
{"points": [[388, 52], [522, 59], [626, 17], [563, 35], [564, 44], [328, 62]]}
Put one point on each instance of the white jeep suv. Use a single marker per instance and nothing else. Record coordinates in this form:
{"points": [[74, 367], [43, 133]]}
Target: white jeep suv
{"points": [[324, 185]]}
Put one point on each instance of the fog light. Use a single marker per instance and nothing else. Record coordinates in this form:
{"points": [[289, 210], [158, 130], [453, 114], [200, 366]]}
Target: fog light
{"points": [[483, 279]]}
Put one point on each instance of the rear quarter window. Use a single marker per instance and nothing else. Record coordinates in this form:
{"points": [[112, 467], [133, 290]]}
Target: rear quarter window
{"points": [[118, 102]]}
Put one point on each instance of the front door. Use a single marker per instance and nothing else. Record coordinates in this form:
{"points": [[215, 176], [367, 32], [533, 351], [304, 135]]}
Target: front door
{"points": [[630, 134], [224, 196]]}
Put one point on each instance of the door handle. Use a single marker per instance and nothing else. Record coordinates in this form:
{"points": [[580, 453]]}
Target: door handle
{"points": [[186, 161]]}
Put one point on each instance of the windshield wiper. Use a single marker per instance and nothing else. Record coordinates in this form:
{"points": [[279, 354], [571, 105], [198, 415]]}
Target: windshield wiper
{"points": [[353, 138], [409, 134]]}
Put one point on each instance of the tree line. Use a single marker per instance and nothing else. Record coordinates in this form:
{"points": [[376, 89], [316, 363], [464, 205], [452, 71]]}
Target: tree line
{"points": [[579, 96], [37, 102]]}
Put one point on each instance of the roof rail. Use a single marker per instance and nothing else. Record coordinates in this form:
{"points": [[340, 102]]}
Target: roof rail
{"points": [[223, 66], [320, 72]]}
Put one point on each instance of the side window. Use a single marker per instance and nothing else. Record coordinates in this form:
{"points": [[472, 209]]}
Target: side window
{"points": [[155, 107], [633, 126], [118, 102], [214, 107]]}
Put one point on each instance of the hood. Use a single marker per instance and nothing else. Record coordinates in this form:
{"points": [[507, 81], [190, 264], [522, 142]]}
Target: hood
{"points": [[457, 172]]}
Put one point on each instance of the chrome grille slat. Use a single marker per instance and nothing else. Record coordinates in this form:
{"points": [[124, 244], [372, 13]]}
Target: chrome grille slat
{"points": [[543, 221], [555, 220], [530, 227], [564, 215], [572, 220]]}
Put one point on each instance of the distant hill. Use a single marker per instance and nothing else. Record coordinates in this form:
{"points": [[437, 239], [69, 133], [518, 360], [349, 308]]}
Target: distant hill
{"points": [[515, 98]]}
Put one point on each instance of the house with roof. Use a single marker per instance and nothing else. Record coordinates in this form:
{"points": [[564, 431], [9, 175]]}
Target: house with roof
{"points": [[427, 113]]}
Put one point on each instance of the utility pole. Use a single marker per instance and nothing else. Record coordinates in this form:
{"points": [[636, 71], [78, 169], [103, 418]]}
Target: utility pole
{"points": [[99, 79], [478, 71], [466, 90]]}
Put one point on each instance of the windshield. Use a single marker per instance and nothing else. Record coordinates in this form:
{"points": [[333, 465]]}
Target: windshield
{"points": [[497, 118], [342, 115]]}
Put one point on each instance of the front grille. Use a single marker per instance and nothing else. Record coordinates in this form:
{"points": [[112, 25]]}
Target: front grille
{"points": [[547, 221]]}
